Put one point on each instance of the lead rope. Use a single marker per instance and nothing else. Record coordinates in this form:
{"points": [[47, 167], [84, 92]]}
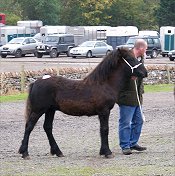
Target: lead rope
{"points": [[143, 117], [132, 69]]}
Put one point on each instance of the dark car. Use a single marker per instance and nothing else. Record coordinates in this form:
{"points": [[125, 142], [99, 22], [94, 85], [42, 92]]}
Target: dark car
{"points": [[153, 42], [171, 55], [56, 44]]}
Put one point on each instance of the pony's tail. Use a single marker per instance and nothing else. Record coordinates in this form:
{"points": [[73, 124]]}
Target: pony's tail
{"points": [[28, 109]]}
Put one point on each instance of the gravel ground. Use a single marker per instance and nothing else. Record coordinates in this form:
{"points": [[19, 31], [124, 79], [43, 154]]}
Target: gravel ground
{"points": [[78, 138]]}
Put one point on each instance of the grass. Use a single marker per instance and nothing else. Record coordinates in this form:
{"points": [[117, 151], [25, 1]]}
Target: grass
{"points": [[159, 88], [15, 97], [148, 89]]}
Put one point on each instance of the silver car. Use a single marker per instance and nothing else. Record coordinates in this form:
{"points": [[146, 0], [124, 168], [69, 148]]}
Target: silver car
{"points": [[19, 47], [91, 49]]}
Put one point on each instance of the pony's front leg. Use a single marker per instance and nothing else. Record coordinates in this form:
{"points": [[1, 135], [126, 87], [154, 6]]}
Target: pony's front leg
{"points": [[104, 131], [33, 118]]}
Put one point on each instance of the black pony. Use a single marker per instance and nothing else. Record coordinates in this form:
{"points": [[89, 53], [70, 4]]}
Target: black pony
{"points": [[96, 94]]}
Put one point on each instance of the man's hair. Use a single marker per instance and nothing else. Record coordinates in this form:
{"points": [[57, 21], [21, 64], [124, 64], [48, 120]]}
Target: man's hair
{"points": [[140, 43]]}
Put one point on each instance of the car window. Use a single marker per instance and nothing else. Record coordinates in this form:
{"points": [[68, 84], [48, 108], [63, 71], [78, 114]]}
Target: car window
{"points": [[156, 40], [69, 39], [51, 39], [102, 44], [31, 40], [87, 44], [26, 41], [150, 41], [61, 39], [98, 44], [131, 41]]}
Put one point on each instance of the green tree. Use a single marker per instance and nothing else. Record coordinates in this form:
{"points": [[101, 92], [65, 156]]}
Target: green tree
{"points": [[137, 13], [44, 10], [71, 13], [12, 10], [165, 13]]}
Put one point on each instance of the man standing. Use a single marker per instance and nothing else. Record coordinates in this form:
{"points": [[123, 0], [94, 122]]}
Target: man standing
{"points": [[131, 120]]}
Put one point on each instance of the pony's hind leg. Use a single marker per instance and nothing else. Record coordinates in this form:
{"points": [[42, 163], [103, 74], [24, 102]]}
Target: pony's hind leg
{"points": [[48, 126], [33, 118]]}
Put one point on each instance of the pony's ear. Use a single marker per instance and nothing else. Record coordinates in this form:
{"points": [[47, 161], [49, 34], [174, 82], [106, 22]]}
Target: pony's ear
{"points": [[119, 50]]}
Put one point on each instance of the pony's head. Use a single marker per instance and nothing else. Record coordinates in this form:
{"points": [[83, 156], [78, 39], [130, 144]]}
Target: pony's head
{"points": [[133, 67]]}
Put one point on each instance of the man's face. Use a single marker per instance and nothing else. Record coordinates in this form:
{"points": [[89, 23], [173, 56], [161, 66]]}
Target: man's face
{"points": [[142, 51]]}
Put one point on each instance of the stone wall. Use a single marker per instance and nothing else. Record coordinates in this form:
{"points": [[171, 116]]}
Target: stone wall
{"points": [[14, 82]]}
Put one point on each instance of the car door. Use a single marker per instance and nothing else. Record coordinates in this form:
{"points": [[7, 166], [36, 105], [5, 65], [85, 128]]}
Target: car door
{"points": [[31, 45], [150, 46], [25, 46], [99, 49]]}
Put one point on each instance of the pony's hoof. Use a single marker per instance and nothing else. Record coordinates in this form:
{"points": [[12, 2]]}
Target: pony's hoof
{"points": [[25, 156], [57, 154], [60, 155], [109, 156]]}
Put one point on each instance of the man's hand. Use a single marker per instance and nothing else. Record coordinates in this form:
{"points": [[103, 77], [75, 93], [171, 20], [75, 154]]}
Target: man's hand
{"points": [[133, 77]]}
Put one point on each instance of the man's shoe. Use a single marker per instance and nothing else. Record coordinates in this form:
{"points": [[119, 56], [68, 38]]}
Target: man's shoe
{"points": [[138, 148], [127, 151]]}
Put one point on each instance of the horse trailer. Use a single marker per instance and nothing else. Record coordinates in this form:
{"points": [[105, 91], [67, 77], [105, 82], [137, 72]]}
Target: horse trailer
{"points": [[119, 35], [81, 33], [167, 39], [9, 32]]}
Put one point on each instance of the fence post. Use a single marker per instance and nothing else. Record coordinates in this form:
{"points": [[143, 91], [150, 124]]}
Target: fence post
{"points": [[1, 88], [168, 73], [22, 79], [58, 69]]}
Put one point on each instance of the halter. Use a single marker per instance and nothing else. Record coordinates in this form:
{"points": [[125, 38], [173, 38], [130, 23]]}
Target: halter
{"points": [[132, 68]]}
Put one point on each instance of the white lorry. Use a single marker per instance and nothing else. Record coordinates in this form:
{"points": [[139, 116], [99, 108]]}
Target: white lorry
{"points": [[119, 35], [167, 39]]}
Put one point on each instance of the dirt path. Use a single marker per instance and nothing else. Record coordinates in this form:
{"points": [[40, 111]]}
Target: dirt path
{"points": [[78, 138]]}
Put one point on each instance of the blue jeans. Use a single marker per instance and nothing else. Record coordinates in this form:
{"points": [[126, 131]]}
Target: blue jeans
{"points": [[130, 125]]}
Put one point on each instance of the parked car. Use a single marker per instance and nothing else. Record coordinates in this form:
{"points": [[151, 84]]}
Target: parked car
{"points": [[91, 49], [19, 47], [171, 55], [153, 42], [55, 44]]}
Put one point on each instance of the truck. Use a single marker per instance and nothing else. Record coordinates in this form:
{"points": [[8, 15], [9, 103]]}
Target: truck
{"points": [[81, 33], [119, 35], [167, 39], [2, 19], [23, 29], [55, 44]]}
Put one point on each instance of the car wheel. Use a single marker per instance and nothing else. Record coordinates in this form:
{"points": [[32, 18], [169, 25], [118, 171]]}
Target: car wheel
{"points": [[154, 54], [89, 54], [163, 55], [74, 56], [68, 52], [108, 52], [171, 58], [18, 53], [53, 53], [38, 55], [3, 55]]}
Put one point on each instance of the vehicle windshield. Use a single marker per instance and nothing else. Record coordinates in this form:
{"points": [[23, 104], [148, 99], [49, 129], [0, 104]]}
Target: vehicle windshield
{"points": [[88, 44], [16, 41], [51, 39], [131, 41]]}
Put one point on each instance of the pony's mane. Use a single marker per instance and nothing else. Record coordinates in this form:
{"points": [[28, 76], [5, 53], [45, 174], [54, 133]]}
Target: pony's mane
{"points": [[108, 64]]}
